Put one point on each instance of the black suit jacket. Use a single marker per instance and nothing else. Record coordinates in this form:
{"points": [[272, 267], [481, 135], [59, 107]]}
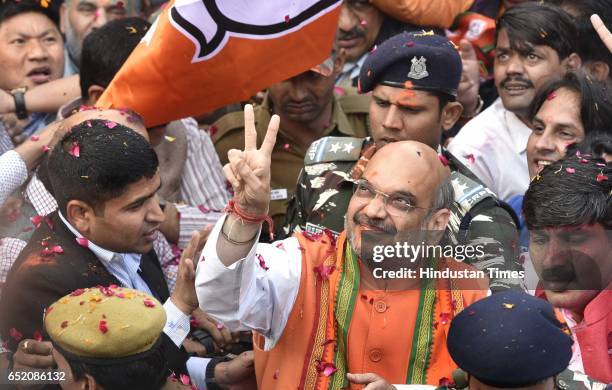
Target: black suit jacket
{"points": [[36, 281]]}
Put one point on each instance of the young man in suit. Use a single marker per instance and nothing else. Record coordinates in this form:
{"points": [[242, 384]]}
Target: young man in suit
{"points": [[104, 177]]}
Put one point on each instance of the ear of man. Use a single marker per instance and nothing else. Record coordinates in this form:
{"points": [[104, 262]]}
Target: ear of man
{"points": [[80, 215], [451, 114], [572, 62], [94, 92]]}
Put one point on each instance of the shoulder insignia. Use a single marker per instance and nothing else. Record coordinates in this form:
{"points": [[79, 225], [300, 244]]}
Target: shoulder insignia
{"points": [[328, 149], [353, 103], [468, 192], [228, 122]]}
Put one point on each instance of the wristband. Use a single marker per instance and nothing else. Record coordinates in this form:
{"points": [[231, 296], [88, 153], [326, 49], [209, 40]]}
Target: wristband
{"points": [[244, 216], [20, 107]]}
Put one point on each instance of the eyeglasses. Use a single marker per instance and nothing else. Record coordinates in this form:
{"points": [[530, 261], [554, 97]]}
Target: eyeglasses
{"points": [[395, 204]]}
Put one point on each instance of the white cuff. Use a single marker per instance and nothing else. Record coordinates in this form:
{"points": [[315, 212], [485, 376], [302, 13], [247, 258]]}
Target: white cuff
{"points": [[177, 323], [196, 367]]}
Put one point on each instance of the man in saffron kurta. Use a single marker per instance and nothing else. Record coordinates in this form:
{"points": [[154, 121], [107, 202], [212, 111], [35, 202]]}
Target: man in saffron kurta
{"points": [[316, 308]]}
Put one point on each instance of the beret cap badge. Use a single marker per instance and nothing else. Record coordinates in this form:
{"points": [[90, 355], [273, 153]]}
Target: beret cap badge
{"points": [[418, 69]]}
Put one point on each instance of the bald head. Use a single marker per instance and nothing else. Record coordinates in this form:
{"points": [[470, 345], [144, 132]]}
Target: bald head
{"points": [[403, 188], [410, 162]]}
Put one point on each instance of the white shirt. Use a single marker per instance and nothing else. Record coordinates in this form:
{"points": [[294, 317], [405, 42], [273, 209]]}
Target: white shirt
{"points": [[493, 145], [245, 296]]}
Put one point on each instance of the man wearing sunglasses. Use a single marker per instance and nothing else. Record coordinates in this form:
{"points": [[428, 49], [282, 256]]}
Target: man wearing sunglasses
{"points": [[413, 78], [322, 317]]}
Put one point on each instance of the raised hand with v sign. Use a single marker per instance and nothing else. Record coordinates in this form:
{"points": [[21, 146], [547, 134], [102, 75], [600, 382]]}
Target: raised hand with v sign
{"points": [[248, 171]]}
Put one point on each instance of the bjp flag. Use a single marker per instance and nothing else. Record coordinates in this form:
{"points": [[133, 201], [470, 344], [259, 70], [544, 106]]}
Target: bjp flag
{"points": [[200, 55]]}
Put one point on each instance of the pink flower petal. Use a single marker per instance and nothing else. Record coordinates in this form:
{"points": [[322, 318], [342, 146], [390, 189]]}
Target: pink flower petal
{"points": [[570, 170], [262, 262], [110, 124], [443, 160], [15, 334], [77, 292], [106, 291], [470, 157], [57, 249], [45, 148], [37, 335], [37, 220], [324, 270], [102, 326], [75, 150], [34, 138], [601, 177], [212, 130], [444, 318], [329, 369], [185, 379], [82, 241]]}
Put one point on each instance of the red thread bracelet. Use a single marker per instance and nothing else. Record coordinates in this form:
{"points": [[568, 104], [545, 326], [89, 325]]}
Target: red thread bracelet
{"points": [[233, 208]]}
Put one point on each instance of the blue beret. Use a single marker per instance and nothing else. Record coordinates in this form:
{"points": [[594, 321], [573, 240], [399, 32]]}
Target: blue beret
{"points": [[510, 339], [430, 62]]}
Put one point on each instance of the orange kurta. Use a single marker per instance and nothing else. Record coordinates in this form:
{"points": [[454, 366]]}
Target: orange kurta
{"points": [[379, 338]]}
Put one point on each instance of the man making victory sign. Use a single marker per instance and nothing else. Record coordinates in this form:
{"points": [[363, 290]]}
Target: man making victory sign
{"points": [[320, 317]]}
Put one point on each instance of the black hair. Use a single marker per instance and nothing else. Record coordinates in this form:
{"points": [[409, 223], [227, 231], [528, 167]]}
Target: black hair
{"points": [[591, 47], [110, 158], [106, 49], [594, 95], [573, 191], [597, 143], [147, 373], [535, 24], [11, 8]]}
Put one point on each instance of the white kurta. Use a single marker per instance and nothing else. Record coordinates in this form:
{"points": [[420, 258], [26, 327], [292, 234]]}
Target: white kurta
{"points": [[493, 145]]}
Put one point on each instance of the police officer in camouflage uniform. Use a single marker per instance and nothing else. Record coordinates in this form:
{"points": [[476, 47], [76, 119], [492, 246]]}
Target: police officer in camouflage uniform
{"points": [[344, 113], [413, 78]]}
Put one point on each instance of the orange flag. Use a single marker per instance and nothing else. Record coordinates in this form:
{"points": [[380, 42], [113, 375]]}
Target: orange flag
{"points": [[200, 55]]}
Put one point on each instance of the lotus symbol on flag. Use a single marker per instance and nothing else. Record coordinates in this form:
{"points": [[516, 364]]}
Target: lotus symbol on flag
{"points": [[210, 23]]}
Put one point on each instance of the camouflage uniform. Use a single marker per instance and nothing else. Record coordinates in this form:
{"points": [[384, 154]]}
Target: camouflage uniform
{"points": [[325, 187], [349, 117]]}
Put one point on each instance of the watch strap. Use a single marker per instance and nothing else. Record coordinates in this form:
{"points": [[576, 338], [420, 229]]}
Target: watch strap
{"points": [[20, 107], [211, 383]]}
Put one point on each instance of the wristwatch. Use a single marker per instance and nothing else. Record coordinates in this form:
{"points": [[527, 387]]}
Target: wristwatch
{"points": [[479, 105], [211, 383], [20, 107]]}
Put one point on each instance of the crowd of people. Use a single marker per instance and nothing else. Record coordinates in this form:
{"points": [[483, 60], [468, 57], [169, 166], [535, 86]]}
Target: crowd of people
{"points": [[233, 249]]}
